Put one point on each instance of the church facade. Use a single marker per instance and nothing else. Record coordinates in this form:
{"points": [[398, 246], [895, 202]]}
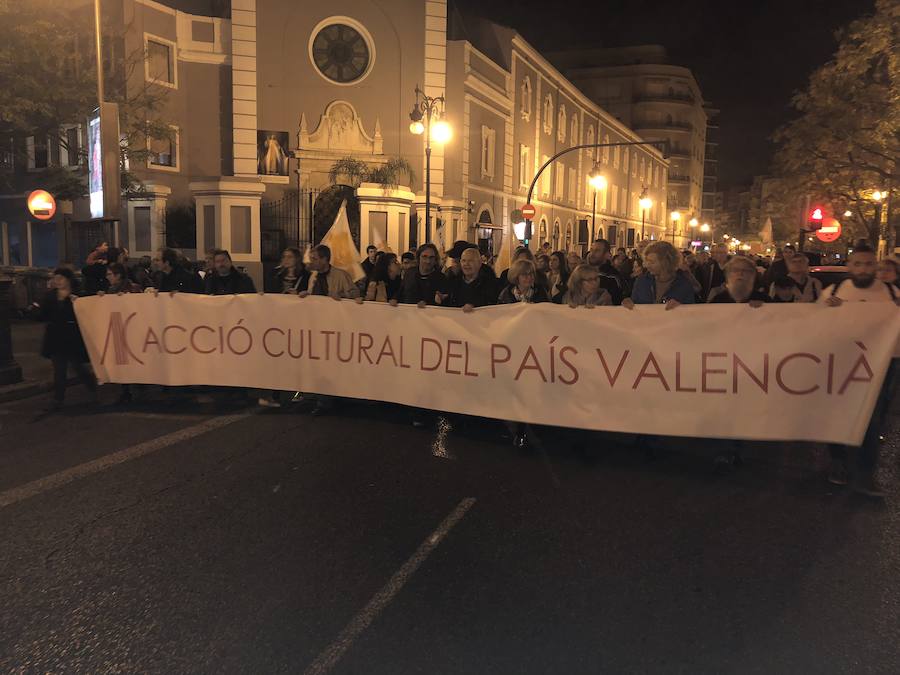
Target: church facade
{"points": [[265, 103]]}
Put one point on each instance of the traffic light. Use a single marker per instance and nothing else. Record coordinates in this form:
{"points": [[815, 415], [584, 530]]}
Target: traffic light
{"points": [[816, 216]]}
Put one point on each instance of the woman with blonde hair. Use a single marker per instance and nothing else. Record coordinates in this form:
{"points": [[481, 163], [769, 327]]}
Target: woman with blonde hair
{"points": [[584, 289], [665, 283], [521, 285]]}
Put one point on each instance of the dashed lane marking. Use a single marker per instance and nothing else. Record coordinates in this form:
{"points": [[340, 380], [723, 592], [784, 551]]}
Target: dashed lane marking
{"points": [[53, 481], [328, 658]]}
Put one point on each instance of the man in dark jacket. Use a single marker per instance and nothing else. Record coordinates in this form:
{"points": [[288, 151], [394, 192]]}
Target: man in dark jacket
{"points": [[368, 264], [610, 278], [475, 286], [421, 285], [226, 279], [171, 276], [711, 274]]}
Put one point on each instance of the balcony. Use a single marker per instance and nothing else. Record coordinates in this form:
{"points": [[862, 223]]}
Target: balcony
{"points": [[679, 153], [665, 126], [671, 97], [678, 178]]}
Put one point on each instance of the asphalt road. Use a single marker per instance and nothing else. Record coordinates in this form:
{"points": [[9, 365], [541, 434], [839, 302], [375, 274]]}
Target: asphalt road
{"points": [[173, 538]]}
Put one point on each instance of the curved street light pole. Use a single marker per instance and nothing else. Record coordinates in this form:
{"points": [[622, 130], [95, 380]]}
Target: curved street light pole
{"points": [[664, 147]]}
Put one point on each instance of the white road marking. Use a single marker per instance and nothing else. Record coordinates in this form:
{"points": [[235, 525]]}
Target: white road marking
{"points": [[67, 476], [157, 416], [328, 658]]}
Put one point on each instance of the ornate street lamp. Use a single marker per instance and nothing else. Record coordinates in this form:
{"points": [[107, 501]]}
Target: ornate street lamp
{"points": [[676, 216], [598, 182], [645, 203], [428, 119]]}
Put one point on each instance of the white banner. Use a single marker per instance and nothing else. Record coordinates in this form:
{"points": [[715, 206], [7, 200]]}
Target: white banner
{"points": [[779, 372]]}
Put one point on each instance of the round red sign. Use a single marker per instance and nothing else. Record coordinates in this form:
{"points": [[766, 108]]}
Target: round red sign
{"points": [[41, 205], [830, 230], [528, 211]]}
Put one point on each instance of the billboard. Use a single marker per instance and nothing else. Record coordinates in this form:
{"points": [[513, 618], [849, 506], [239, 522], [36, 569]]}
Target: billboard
{"points": [[103, 161]]}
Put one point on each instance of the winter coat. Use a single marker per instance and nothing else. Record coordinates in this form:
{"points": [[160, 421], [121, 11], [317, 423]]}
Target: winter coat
{"points": [[62, 336], [417, 288], [233, 283], [340, 284], [479, 293], [508, 297], [644, 291], [179, 279]]}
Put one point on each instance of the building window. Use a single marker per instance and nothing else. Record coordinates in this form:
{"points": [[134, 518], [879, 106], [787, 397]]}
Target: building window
{"points": [[589, 140], [71, 149], [163, 152], [625, 162], [525, 169], [573, 133], [560, 191], [634, 165], [37, 151], [341, 50], [561, 124], [548, 114], [606, 150], [545, 177], [488, 151], [160, 66], [615, 199], [572, 185], [542, 230], [525, 104]]}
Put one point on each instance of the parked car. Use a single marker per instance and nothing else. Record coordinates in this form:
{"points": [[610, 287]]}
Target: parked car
{"points": [[829, 274]]}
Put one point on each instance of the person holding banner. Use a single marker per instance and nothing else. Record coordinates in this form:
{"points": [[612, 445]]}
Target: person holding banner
{"points": [[171, 276], [226, 279], [421, 284], [386, 282], [665, 282], [584, 289], [475, 286], [290, 276], [324, 279], [521, 288], [740, 284], [863, 286]]}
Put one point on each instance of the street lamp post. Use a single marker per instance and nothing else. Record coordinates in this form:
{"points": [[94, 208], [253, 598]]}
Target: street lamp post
{"points": [[662, 145], [598, 182], [704, 229], [435, 128], [676, 216], [693, 223], [645, 203]]}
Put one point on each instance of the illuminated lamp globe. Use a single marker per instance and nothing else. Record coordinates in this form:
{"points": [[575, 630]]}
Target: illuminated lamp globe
{"points": [[598, 181], [693, 222], [417, 127], [645, 203], [704, 227], [441, 132]]}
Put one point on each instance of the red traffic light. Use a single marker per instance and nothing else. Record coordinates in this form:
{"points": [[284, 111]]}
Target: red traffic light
{"points": [[816, 216]]}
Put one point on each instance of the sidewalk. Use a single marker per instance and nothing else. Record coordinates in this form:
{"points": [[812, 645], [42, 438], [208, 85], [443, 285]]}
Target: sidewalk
{"points": [[37, 373]]}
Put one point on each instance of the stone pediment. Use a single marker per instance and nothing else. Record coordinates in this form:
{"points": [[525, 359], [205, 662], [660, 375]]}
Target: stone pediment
{"points": [[340, 132]]}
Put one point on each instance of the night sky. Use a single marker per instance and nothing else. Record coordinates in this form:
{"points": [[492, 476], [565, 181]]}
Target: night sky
{"points": [[748, 57]]}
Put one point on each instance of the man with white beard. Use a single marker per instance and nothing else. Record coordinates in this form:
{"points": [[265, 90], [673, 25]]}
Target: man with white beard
{"points": [[863, 286], [740, 284]]}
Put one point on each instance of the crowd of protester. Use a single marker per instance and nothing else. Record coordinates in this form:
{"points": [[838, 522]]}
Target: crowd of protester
{"points": [[654, 272]]}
